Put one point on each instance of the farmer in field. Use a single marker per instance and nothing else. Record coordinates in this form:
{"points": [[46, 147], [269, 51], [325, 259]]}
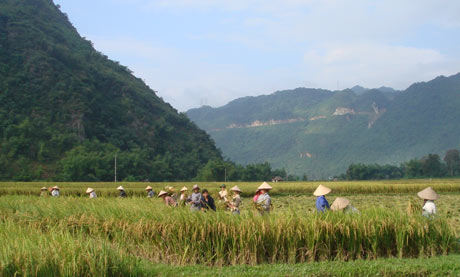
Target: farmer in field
{"points": [[183, 196], [171, 191], [169, 201], [223, 193], [122, 191], [55, 191], [256, 196], [343, 204], [195, 199], [321, 203], [234, 205], [44, 192], [208, 201], [91, 192], [429, 196], [264, 201], [150, 192]]}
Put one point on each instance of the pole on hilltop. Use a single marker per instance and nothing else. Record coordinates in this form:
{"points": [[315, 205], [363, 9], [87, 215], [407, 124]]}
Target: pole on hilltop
{"points": [[115, 168]]}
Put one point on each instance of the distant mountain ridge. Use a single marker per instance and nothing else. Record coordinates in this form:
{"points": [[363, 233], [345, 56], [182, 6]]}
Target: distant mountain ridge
{"points": [[320, 132]]}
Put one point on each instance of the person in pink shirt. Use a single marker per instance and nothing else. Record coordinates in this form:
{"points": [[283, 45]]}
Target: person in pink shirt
{"points": [[169, 201], [256, 196]]}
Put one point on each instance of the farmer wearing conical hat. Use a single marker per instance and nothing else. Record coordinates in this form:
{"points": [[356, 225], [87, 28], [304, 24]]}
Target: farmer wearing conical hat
{"points": [[195, 199], [91, 192], [183, 196], [343, 204], [236, 200], [264, 201], [55, 191], [150, 192], [223, 193], [428, 195], [122, 191], [44, 192], [171, 192], [169, 201], [321, 202]]}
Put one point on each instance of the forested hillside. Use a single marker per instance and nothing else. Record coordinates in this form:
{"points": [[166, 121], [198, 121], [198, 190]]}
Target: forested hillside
{"points": [[66, 109], [320, 133]]}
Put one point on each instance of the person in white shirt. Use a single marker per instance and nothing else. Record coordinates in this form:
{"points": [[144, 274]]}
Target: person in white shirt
{"points": [[429, 196], [55, 191], [91, 192], [223, 194], [183, 196]]}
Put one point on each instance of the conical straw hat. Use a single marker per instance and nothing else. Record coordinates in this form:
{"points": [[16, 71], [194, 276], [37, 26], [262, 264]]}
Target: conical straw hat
{"points": [[89, 190], [56, 187], [340, 203], [428, 194], [236, 188], [149, 188], [162, 193], [43, 188], [120, 188], [264, 186], [183, 189], [195, 187], [321, 190]]}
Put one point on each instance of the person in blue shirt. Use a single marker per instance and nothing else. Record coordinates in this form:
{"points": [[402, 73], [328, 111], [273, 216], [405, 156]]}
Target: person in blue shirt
{"points": [[321, 202], [195, 199], [150, 192]]}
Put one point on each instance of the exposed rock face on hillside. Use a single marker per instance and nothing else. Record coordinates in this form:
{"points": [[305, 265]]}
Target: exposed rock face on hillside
{"points": [[343, 111]]}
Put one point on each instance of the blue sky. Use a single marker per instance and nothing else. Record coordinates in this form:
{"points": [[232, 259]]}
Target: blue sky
{"points": [[196, 52]]}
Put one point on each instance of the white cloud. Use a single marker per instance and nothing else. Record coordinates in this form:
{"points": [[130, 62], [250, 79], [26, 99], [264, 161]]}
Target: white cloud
{"points": [[373, 65], [353, 42]]}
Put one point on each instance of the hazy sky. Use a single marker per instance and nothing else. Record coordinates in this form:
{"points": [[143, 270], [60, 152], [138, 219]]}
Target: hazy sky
{"points": [[196, 52]]}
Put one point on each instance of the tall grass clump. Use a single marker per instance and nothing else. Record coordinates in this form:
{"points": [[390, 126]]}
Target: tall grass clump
{"points": [[30, 252]]}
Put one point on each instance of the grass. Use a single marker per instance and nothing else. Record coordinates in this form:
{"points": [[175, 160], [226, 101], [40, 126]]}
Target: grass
{"points": [[437, 266]]}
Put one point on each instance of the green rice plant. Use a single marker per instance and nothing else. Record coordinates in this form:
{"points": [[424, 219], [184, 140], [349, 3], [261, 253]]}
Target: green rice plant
{"points": [[413, 207], [146, 229]]}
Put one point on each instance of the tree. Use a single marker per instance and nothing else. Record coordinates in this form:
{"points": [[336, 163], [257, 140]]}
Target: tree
{"points": [[452, 159], [432, 166], [213, 171], [413, 168]]}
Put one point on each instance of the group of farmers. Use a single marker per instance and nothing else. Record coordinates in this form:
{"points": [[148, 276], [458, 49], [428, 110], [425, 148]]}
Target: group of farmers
{"points": [[201, 200], [342, 204]]}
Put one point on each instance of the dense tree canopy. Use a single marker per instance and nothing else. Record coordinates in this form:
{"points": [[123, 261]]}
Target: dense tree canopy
{"points": [[66, 109], [427, 167]]}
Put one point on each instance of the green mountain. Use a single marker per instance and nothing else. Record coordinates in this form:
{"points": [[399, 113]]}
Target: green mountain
{"points": [[66, 109], [320, 133]]}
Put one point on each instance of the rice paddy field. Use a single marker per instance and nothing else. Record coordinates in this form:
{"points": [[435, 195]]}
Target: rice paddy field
{"points": [[73, 235]]}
